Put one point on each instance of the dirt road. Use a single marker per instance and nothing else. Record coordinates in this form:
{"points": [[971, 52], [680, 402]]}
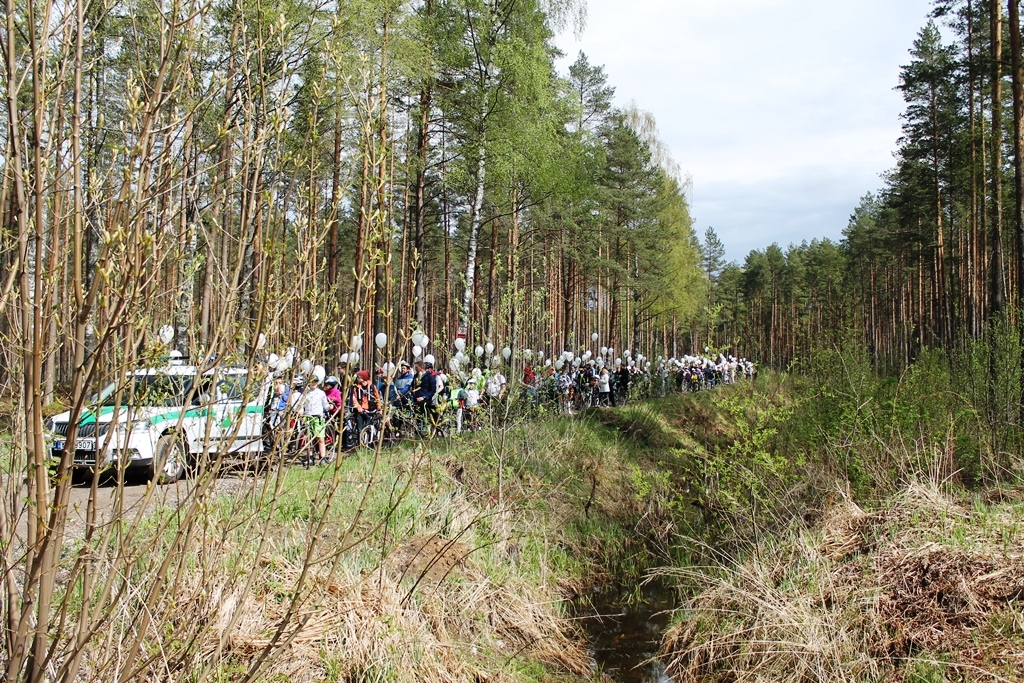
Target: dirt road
{"points": [[113, 501]]}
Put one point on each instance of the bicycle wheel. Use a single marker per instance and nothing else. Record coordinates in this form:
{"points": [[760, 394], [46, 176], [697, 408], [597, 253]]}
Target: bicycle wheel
{"points": [[369, 436]]}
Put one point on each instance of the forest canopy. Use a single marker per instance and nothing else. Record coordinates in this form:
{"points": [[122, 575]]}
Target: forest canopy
{"points": [[313, 171]]}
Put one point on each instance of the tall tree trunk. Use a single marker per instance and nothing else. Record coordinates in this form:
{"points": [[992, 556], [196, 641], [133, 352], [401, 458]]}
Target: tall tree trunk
{"points": [[475, 219], [493, 310], [332, 221], [511, 276], [996, 276], [1018, 146], [419, 214], [381, 314], [1018, 171]]}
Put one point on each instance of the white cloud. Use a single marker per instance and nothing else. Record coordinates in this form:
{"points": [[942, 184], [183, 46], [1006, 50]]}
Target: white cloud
{"points": [[783, 112]]}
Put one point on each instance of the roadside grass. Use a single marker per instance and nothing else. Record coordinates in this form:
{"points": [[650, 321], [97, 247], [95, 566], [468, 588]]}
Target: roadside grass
{"points": [[428, 582], [448, 561], [451, 561]]}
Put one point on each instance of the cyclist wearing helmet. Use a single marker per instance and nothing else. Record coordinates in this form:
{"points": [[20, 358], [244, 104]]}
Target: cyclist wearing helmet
{"points": [[333, 394], [315, 407], [295, 396]]}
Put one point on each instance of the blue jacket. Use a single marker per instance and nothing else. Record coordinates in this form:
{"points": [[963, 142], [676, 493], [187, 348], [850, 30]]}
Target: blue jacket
{"points": [[403, 383], [392, 389], [424, 387]]}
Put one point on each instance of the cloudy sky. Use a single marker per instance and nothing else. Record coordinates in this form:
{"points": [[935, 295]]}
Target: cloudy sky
{"points": [[782, 112]]}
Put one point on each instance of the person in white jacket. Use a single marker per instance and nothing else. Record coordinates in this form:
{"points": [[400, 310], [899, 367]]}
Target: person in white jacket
{"points": [[604, 388], [315, 409]]}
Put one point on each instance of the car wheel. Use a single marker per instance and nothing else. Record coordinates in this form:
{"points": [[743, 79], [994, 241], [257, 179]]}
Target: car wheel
{"points": [[170, 458]]}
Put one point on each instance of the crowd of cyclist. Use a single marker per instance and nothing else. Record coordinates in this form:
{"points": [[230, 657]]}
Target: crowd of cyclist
{"points": [[359, 406]]}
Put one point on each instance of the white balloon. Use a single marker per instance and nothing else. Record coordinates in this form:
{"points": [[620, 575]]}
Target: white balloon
{"points": [[489, 348], [594, 337], [604, 350], [547, 363], [425, 341], [344, 358], [416, 351], [618, 362], [479, 351], [453, 363], [495, 361], [357, 342], [261, 341], [389, 368], [428, 359], [540, 355], [559, 364], [460, 344], [506, 352], [417, 338], [354, 357], [272, 360], [166, 334], [381, 340], [306, 366], [284, 363], [625, 353], [319, 373]]}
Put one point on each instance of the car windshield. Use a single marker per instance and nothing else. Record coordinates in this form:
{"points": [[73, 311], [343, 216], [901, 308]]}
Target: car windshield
{"points": [[149, 390]]}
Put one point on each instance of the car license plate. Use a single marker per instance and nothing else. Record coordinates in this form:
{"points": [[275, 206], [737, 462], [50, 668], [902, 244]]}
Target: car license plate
{"points": [[85, 444]]}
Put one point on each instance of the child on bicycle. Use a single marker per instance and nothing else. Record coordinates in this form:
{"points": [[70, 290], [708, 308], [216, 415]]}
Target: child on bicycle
{"points": [[315, 408]]}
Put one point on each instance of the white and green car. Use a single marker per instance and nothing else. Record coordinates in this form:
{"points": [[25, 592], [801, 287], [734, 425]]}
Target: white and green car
{"points": [[164, 419]]}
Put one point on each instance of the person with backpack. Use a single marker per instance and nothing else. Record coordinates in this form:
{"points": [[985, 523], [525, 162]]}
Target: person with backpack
{"points": [[365, 400]]}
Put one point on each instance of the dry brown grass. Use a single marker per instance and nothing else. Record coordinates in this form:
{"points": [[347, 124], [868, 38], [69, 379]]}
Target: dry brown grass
{"points": [[427, 614], [926, 584]]}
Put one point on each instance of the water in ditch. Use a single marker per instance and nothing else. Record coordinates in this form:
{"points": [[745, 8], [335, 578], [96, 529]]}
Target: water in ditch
{"points": [[624, 625]]}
